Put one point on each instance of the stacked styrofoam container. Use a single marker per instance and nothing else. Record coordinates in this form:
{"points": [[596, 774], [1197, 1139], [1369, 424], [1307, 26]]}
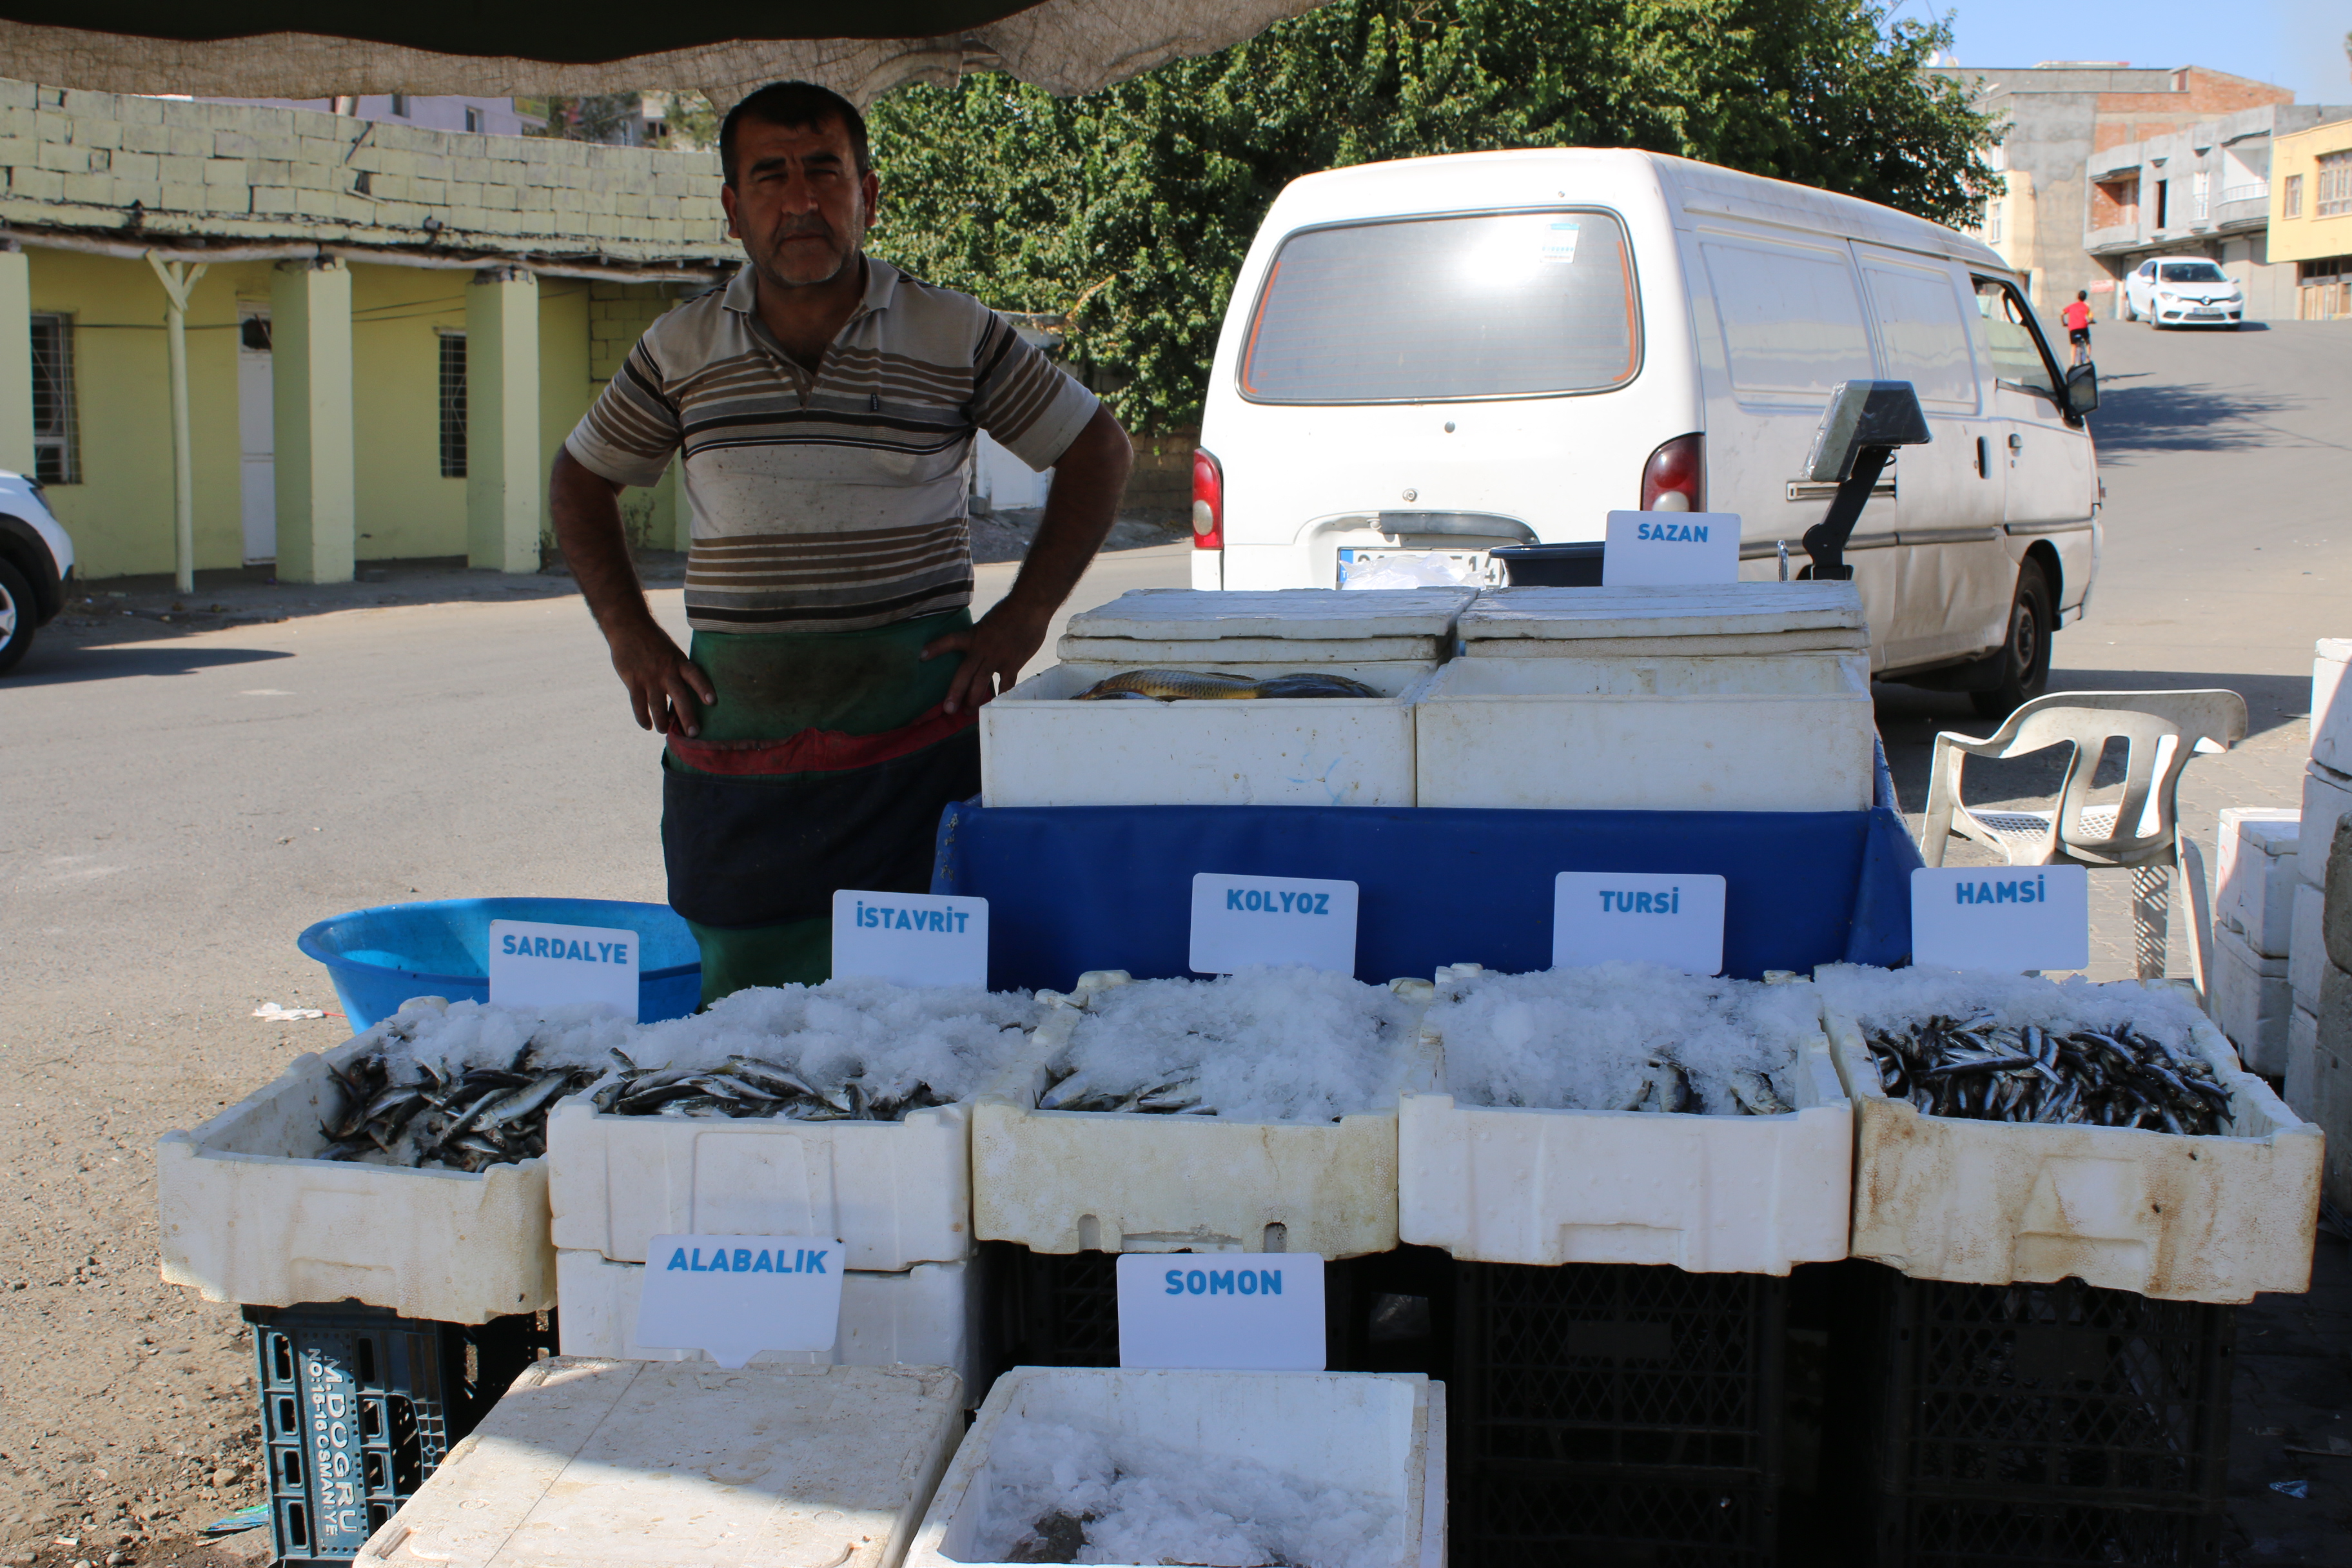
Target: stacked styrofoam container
{"points": [[2179, 1218], [1734, 696], [2253, 917], [628, 1463], [250, 1214], [1041, 747], [1716, 1195], [2326, 800], [1106, 1180], [1379, 1436], [897, 1193]]}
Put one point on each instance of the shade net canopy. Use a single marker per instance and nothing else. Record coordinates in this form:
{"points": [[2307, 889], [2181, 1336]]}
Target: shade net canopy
{"points": [[317, 49]]}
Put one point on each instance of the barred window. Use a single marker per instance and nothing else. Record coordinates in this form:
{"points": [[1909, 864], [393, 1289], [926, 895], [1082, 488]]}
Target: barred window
{"points": [[453, 405], [56, 423], [2335, 192]]}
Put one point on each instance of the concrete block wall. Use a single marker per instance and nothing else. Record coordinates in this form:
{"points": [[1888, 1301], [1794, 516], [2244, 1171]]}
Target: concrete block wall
{"points": [[81, 160]]}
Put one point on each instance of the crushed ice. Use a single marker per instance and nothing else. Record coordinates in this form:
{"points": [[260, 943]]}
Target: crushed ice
{"points": [[1891, 998], [1262, 1045], [1144, 1502], [1590, 1038]]}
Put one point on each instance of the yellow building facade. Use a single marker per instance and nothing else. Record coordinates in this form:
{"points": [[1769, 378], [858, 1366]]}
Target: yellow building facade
{"points": [[2311, 218], [392, 332]]}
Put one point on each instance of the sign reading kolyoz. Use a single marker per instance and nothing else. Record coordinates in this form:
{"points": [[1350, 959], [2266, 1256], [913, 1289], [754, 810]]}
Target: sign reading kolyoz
{"points": [[1668, 549], [1238, 921], [533, 964], [915, 939], [735, 1296], [1644, 918], [1223, 1311], [2008, 918]]}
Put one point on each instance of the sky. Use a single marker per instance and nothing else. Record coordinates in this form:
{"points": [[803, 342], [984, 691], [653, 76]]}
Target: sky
{"points": [[2293, 43]]}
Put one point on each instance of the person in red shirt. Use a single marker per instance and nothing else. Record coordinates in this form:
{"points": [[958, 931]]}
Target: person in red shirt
{"points": [[2077, 317]]}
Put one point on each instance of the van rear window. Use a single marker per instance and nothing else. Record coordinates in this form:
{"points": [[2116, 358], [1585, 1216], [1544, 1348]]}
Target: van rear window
{"points": [[1433, 309]]}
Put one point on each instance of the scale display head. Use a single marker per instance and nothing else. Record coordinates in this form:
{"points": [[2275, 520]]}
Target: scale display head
{"points": [[1883, 413]]}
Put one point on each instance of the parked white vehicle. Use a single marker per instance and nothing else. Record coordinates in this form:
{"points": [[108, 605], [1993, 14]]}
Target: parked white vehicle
{"points": [[37, 561], [2177, 291], [1431, 358]]}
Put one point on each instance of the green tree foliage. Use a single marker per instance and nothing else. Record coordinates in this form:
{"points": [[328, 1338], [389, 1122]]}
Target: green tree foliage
{"points": [[1129, 210]]}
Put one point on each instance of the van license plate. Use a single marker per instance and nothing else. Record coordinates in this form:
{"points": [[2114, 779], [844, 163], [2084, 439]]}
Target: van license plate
{"points": [[1363, 568]]}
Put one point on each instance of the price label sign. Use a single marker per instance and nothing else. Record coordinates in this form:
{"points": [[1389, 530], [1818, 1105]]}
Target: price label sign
{"points": [[1641, 918], [735, 1296], [1222, 1311], [1238, 921], [533, 964], [915, 939], [2009, 919], [1670, 548]]}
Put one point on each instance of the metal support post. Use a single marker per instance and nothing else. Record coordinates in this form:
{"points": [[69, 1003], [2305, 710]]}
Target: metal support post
{"points": [[179, 279]]}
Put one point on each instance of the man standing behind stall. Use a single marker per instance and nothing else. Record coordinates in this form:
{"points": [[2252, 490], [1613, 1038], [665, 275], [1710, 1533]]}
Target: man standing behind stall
{"points": [[825, 405]]}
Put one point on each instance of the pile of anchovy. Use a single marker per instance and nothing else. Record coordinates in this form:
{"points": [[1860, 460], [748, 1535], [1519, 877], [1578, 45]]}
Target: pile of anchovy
{"points": [[1665, 1085], [1071, 1090], [1983, 1069], [483, 1116], [750, 1085]]}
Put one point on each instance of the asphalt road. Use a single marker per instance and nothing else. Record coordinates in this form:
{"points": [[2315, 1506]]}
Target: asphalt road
{"points": [[181, 802]]}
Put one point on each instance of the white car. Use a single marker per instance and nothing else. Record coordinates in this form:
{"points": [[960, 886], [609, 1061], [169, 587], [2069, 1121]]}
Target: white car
{"points": [[37, 561], [2175, 292]]}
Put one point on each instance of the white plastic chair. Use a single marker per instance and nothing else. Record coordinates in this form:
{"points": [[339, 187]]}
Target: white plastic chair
{"points": [[2139, 832]]}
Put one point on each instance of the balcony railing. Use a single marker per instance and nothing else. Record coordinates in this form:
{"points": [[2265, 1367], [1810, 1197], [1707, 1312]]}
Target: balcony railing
{"points": [[2252, 191]]}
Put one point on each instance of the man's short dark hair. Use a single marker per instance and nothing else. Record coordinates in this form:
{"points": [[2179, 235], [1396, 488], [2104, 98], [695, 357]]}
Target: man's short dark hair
{"points": [[2082, 293], [792, 104]]}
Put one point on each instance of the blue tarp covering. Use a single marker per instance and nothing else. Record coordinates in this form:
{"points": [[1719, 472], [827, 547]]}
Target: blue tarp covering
{"points": [[1076, 888]]}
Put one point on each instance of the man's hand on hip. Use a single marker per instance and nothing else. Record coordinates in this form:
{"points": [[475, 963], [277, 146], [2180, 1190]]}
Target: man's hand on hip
{"points": [[668, 690], [993, 651]]}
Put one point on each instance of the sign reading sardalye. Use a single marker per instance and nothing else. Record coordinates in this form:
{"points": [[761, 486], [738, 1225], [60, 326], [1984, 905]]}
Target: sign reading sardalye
{"points": [[735, 1296], [1238, 921], [1226, 1311], [534, 965], [915, 939], [2006, 917], [1674, 919]]}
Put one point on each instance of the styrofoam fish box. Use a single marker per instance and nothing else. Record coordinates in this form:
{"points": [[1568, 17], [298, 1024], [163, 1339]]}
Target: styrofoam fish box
{"points": [[1721, 619], [2299, 1088], [2326, 800], [2307, 950], [627, 1464], [1382, 1434], [2330, 1084], [896, 1192], [1105, 1181], [248, 1215], [1040, 747], [928, 1315], [2331, 706], [1149, 626], [2254, 881], [1709, 1195], [1533, 733], [2252, 1001], [1989, 1203]]}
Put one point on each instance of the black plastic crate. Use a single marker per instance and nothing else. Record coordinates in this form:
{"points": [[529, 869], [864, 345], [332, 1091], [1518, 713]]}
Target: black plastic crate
{"points": [[1553, 1515], [359, 1405], [2061, 1392], [1389, 1312], [1939, 1531], [1607, 1414]]}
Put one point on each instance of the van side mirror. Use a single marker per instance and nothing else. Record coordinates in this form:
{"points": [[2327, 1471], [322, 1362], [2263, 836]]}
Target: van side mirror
{"points": [[1866, 420], [2081, 389]]}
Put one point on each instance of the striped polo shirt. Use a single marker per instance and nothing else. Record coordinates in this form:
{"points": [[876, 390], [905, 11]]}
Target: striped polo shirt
{"points": [[831, 502]]}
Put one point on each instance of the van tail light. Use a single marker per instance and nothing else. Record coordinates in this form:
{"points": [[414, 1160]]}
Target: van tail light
{"points": [[1208, 502], [1674, 479]]}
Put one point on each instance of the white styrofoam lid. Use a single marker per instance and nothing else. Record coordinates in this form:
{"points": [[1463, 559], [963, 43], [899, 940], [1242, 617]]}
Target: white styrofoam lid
{"points": [[1724, 609], [2273, 830], [2336, 648], [1185, 614]]}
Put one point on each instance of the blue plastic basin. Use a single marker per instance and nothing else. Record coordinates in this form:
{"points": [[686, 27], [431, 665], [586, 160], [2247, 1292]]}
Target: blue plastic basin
{"points": [[380, 958]]}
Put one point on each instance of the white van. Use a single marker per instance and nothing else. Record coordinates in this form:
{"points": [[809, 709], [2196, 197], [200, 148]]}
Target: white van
{"points": [[1438, 356]]}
